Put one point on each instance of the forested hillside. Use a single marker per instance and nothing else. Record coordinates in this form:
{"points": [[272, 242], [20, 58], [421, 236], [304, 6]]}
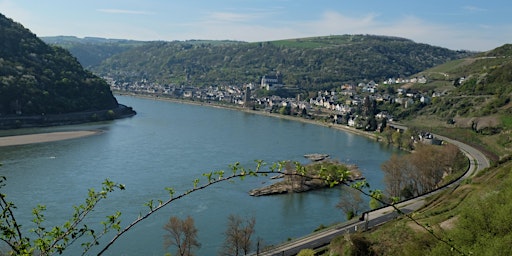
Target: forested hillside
{"points": [[306, 63], [91, 51], [38, 79]]}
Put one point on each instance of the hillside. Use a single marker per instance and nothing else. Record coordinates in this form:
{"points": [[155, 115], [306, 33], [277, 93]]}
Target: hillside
{"points": [[485, 74], [470, 219], [472, 101], [91, 51], [473, 106], [38, 79], [307, 63]]}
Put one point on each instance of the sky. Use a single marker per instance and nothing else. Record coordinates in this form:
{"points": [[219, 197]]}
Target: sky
{"points": [[474, 25]]}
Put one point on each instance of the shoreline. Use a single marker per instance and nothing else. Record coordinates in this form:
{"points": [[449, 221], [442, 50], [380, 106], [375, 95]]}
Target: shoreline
{"points": [[257, 112], [44, 137], [11, 122], [57, 136]]}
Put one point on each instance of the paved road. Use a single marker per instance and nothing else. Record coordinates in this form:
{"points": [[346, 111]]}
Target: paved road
{"points": [[478, 162]]}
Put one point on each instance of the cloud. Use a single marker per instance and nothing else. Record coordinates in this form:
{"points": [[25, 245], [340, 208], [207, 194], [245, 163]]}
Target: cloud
{"points": [[122, 11], [474, 8]]}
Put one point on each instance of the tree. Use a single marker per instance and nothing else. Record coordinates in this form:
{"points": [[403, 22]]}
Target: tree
{"points": [[304, 112], [383, 124], [407, 139], [394, 170], [388, 134], [350, 202], [396, 137], [359, 245], [182, 234], [306, 252], [371, 123], [238, 236], [285, 110], [430, 170], [369, 106], [414, 174]]}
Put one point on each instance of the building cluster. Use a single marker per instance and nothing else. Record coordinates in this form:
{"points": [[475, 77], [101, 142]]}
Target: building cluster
{"points": [[339, 101]]}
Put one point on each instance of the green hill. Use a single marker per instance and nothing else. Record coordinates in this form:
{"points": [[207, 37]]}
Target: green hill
{"points": [[91, 51], [38, 79], [306, 63]]}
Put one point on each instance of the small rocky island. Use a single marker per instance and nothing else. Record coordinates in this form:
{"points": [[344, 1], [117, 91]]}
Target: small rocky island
{"points": [[291, 183]]}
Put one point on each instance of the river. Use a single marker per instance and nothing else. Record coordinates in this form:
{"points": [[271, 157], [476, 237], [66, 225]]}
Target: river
{"points": [[170, 144]]}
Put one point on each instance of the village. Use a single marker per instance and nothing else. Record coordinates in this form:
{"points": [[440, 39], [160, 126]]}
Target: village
{"points": [[347, 104]]}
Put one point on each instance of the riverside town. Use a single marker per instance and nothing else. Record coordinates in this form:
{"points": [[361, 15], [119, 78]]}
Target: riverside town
{"points": [[342, 104]]}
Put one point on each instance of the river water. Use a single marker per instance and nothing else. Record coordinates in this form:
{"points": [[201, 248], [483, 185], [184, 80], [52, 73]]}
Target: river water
{"points": [[169, 145]]}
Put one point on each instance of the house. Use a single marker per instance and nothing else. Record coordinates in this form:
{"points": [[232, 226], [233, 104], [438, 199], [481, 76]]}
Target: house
{"points": [[356, 102], [351, 122], [383, 115], [406, 102], [188, 94], [422, 80], [348, 87]]}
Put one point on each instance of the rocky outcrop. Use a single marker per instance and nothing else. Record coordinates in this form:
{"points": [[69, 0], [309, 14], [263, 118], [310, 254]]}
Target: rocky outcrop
{"points": [[283, 187], [316, 157], [292, 183]]}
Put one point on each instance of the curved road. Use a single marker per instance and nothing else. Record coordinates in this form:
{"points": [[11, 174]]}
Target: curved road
{"points": [[478, 162]]}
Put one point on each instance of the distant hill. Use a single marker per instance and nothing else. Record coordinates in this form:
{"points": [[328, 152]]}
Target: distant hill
{"points": [[305, 63], [91, 51], [38, 79]]}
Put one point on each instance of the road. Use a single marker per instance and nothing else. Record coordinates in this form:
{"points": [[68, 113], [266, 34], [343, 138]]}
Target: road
{"points": [[478, 161]]}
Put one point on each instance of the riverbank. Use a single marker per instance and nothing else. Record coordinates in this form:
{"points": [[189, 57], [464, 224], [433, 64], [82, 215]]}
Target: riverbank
{"points": [[44, 137], [47, 120], [257, 112], [55, 136]]}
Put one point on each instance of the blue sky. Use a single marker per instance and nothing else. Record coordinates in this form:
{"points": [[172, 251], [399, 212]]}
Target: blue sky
{"points": [[455, 24]]}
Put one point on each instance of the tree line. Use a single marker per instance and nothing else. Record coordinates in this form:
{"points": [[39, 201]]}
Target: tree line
{"points": [[414, 174]]}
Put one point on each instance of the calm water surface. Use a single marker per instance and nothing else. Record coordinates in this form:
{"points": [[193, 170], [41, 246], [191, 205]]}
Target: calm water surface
{"points": [[169, 145]]}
